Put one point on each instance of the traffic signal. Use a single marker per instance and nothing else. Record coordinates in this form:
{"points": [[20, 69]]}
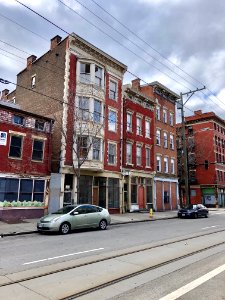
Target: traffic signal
{"points": [[206, 164]]}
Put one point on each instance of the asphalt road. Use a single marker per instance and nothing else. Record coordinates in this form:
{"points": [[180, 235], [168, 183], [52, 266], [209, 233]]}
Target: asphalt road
{"points": [[32, 251]]}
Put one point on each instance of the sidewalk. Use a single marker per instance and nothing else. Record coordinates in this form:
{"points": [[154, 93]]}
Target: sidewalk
{"points": [[28, 226]]}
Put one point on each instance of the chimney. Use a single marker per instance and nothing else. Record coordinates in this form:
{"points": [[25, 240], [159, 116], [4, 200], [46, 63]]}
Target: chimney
{"points": [[5, 94], [136, 84], [198, 112], [55, 41], [30, 60]]}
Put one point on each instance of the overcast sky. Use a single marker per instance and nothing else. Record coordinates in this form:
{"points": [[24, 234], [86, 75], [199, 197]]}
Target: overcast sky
{"points": [[180, 43]]}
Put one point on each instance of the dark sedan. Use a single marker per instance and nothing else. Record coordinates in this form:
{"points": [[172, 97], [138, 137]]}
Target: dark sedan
{"points": [[193, 211]]}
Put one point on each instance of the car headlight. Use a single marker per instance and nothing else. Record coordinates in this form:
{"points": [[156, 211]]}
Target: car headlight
{"points": [[54, 220]]}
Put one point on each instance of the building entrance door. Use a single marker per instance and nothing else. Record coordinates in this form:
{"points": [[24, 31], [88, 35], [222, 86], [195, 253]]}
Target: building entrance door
{"points": [[141, 197], [95, 196]]}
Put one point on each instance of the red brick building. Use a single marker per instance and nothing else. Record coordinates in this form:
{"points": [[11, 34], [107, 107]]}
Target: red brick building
{"points": [[138, 156], [25, 152], [83, 88], [165, 154], [205, 135]]}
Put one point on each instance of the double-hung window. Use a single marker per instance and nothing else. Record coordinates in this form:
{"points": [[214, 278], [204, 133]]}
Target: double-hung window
{"points": [[129, 153], [15, 146], [171, 119], [112, 90], [147, 129], [147, 157], [82, 146], [112, 154], [84, 108], [164, 116], [129, 122], [96, 144], [171, 142], [38, 147], [139, 126], [158, 137], [112, 120], [158, 163], [98, 76], [138, 155], [157, 112], [165, 140], [172, 164], [166, 165], [97, 111], [19, 120], [85, 73]]}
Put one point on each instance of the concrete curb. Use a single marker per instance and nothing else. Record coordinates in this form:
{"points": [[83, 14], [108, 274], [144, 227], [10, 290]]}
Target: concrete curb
{"points": [[115, 223]]}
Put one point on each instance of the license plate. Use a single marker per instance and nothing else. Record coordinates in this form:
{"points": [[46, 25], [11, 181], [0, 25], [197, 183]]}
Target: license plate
{"points": [[183, 215]]}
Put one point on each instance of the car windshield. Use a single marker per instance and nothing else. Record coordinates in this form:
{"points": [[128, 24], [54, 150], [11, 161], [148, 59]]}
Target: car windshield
{"points": [[190, 206], [64, 210]]}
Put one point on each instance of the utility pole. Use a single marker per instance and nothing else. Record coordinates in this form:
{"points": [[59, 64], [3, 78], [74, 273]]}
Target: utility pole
{"points": [[180, 105]]}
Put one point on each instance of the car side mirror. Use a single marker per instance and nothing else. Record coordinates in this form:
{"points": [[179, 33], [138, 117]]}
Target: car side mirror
{"points": [[74, 213]]}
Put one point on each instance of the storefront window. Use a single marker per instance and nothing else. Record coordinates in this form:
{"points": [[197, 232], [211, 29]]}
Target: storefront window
{"points": [[85, 190]]}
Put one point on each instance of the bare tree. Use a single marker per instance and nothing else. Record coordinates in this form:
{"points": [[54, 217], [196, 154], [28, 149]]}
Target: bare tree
{"points": [[87, 140]]}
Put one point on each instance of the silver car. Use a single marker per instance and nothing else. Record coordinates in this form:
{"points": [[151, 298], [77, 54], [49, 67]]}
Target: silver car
{"points": [[74, 217]]}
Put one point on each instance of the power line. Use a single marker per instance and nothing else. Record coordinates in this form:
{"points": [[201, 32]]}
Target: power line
{"points": [[101, 31]]}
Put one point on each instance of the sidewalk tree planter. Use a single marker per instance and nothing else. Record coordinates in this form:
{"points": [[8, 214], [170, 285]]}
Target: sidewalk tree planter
{"points": [[21, 210]]}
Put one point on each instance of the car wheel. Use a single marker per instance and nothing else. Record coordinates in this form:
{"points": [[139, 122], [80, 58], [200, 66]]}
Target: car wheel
{"points": [[102, 225], [64, 228], [195, 215]]}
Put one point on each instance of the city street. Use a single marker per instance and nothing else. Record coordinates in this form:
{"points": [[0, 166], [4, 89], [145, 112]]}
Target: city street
{"points": [[165, 241]]}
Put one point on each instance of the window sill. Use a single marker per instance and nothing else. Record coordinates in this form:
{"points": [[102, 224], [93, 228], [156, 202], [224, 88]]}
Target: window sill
{"points": [[37, 161], [16, 158]]}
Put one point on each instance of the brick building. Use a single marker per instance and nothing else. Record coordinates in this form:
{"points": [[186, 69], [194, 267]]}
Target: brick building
{"points": [[84, 95], [138, 156], [205, 135], [25, 152], [165, 154]]}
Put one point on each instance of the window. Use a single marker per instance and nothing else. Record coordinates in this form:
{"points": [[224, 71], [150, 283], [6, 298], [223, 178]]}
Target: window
{"points": [[96, 143], [171, 119], [85, 73], [112, 120], [166, 165], [39, 125], [33, 81], [82, 146], [158, 163], [129, 122], [26, 189], [165, 140], [172, 164], [147, 129], [97, 111], [18, 120], [157, 112], [98, 75], [129, 153], [158, 137], [9, 189], [15, 146], [112, 154], [166, 197], [138, 126], [113, 193], [84, 108], [171, 142], [38, 191], [164, 116], [112, 90], [138, 155], [37, 153], [147, 157]]}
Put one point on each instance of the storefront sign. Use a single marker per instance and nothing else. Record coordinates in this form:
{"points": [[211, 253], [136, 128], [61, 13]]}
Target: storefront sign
{"points": [[3, 138]]}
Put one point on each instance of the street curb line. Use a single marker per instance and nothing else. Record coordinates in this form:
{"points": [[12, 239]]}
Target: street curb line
{"points": [[116, 223]]}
